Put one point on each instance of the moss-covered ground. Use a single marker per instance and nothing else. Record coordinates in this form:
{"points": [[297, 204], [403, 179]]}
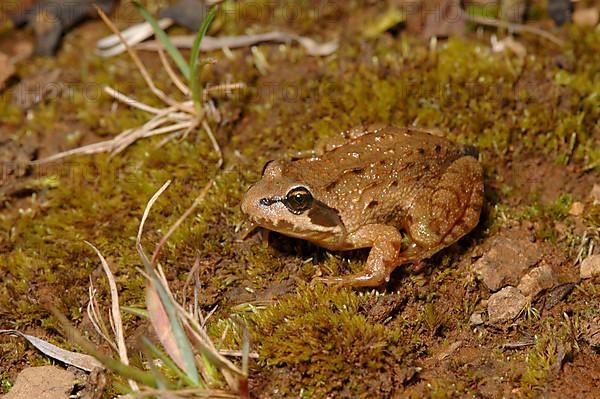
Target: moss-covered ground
{"points": [[535, 121]]}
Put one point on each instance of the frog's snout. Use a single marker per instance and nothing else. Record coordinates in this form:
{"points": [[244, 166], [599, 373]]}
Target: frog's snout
{"points": [[251, 206], [246, 202]]}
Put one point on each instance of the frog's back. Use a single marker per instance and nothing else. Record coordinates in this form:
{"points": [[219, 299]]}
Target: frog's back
{"points": [[375, 177]]}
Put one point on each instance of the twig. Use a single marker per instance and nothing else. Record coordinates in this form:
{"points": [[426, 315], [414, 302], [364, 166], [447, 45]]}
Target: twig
{"points": [[514, 27], [210, 43]]}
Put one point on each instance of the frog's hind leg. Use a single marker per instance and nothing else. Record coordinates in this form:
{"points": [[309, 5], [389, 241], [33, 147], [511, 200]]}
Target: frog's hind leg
{"points": [[445, 214], [385, 242]]}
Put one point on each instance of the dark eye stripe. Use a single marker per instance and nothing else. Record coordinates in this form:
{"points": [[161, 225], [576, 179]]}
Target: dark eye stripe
{"points": [[269, 201]]}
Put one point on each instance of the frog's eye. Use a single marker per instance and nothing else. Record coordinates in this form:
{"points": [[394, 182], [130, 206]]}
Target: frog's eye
{"points": [[298, 200]]}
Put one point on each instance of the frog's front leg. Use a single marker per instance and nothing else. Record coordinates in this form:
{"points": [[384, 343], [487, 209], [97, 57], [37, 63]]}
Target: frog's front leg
{"points": [[385, 242]]}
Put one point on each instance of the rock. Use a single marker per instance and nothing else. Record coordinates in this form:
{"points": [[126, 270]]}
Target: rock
{"points": [[577, 209], [557, 294], [595, 194], [187, 13], [538, 279], [560, 11], [46, 382], [590, 267], [591, 332], [507, 260], [586, 17], [450, 350], [476, 319], [505, 305], [51, 19]]}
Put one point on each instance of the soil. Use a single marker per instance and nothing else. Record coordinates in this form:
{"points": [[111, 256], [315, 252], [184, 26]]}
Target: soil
{"points": [[411, 338]]}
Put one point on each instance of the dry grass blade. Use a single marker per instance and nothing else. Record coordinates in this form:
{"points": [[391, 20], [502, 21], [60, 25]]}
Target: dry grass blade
{"points": [[214, 142], [175, 225], [149, 205], [177, 119], [116, 319], [93, 311], [178, 83], [117, 95], [159, 93]]}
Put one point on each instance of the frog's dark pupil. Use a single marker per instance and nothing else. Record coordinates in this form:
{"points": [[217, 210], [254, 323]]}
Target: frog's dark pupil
{"points": [[298, 200]]}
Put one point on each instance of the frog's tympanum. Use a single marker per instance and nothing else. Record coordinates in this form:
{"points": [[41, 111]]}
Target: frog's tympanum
{"points": [[402, 192]]}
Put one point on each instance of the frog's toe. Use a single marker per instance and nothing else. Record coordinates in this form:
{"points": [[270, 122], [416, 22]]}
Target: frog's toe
{"points": [[337, 282], [355, 280]]}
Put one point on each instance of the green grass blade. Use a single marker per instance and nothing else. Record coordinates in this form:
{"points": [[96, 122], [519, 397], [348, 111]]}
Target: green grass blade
{"points": [[194, 61], [143, 313], [170, 364], [162, 36]]}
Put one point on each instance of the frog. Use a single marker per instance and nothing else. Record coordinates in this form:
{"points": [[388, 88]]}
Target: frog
{"points": [[404, 192]]}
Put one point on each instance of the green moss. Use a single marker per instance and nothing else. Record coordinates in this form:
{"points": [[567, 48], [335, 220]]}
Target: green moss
{"points": [[556, 343], [328, 346], [319, 338]]}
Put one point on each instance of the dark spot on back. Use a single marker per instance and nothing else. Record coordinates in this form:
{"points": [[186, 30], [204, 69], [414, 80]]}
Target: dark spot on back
{"points": [[437, 148], [331, 185], [394, 183], [470, 150], [373, 204], [421, 151]]}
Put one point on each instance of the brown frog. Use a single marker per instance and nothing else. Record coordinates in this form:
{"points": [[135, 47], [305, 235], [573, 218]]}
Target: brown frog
{"points": [[368, 189]]}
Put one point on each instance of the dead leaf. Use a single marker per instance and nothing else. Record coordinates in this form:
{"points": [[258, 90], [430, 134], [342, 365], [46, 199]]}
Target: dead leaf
{"points": [[79, 360]]}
